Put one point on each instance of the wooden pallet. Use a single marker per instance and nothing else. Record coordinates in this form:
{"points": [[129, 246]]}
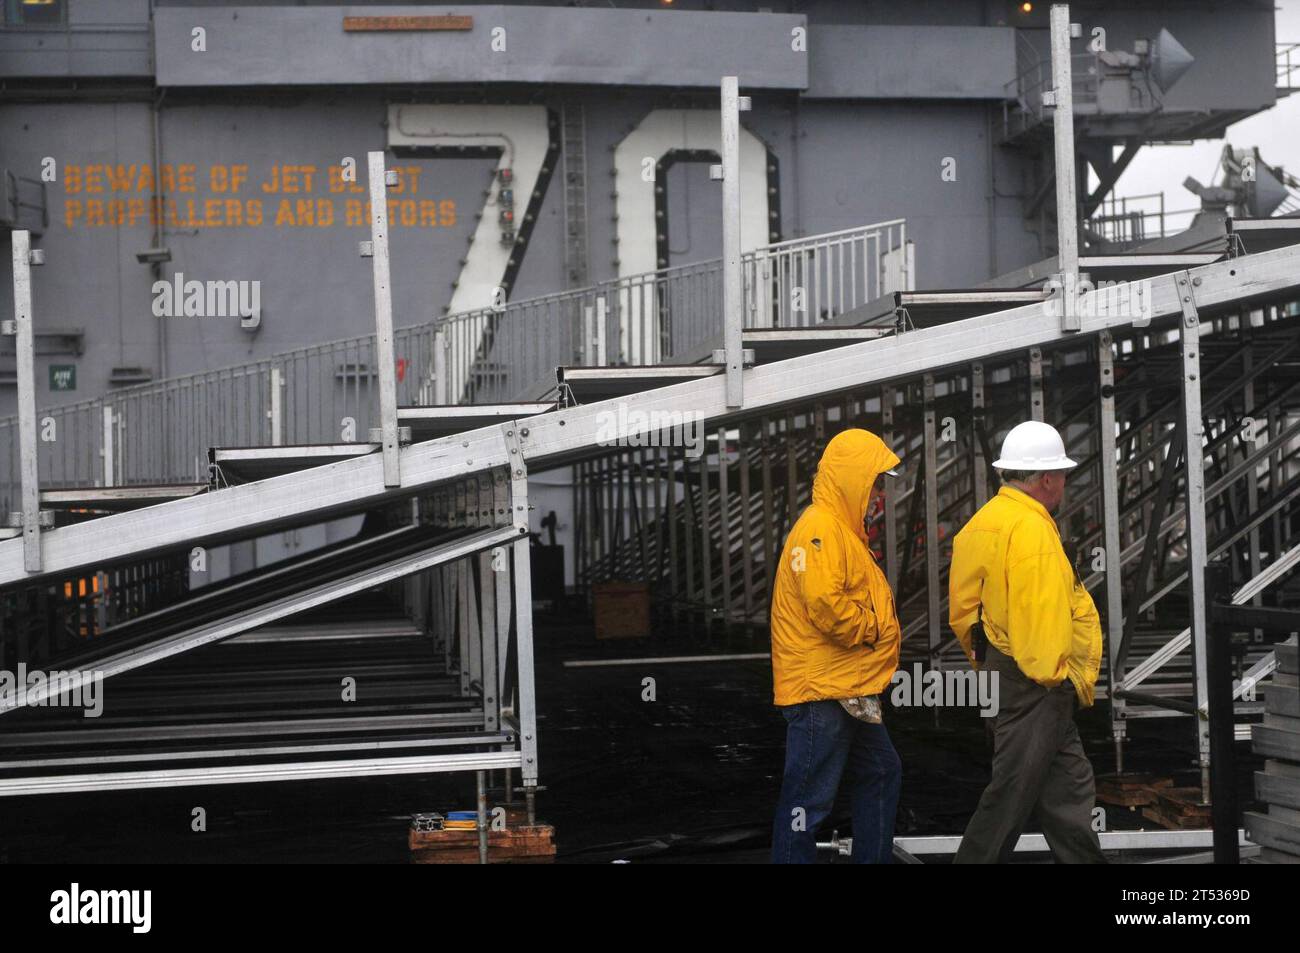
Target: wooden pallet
{"points": [[1179, 809], [516, 845], [1130, 790]]}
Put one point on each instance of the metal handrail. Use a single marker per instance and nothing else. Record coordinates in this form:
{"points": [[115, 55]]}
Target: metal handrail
{"points": [[161, 431], [1288, 64], [1131, 219], [669, 314]]}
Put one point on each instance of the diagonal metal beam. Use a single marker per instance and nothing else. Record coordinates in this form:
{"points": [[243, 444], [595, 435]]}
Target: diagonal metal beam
{"points": [[283, 607], [257, 507], [1110, 175], [1174, 646], [562, 437]]}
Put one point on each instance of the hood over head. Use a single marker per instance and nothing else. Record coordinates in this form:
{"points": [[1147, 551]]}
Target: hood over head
{"points": [[846, 473]]}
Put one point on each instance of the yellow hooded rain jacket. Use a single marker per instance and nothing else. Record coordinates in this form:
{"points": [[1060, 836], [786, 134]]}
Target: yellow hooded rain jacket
{"points": [[1009, 557], [835, 633]]}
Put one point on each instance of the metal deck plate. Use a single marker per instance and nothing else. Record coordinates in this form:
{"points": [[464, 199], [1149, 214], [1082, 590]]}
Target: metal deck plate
{"points": [[779, 344], [1133, 266], [589, 384], [432, 421], [1264, 234], [119, 497], [928, 308], [249, 464]]}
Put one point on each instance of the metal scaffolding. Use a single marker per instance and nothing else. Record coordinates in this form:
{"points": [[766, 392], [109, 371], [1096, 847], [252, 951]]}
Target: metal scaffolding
{"points": [[1150, 369]]}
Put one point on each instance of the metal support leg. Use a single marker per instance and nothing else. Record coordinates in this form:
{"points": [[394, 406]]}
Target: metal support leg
{"points": [[1110, 509], [1035, 383], [724, 527], [891, 517], [1190, 335], [384, 355], [746, 533], [487, 615], [1252, 477], [527, 703], [706, 543], [932, 525], [502, 613], [1218, 591], [464, 624], [481, 782], [979, 466], [447, 582]]}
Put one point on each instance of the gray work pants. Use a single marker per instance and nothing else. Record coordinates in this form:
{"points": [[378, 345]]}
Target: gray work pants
{"points": [[1039, 766]]}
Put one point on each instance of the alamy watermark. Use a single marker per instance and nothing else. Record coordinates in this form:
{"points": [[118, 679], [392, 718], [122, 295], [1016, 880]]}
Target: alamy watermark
{"points": [[179, 298], [78, 906], [946, 688], [651, 428], [34, 688], [1131, 299]]}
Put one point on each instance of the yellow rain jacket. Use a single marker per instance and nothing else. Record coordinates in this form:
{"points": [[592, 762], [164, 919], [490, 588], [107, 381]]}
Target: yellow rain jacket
{"points": [[835, 633], [1009, 558]]}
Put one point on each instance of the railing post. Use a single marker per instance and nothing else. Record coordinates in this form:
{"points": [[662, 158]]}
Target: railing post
{"points": [[276, 413], [1061, 99], [732, 294], [108, 446], [384, 356], [441, 392], [31, 518]]}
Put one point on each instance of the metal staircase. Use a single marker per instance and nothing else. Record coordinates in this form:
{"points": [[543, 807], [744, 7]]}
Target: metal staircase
{"points": [[704, 532], [940, 374]]}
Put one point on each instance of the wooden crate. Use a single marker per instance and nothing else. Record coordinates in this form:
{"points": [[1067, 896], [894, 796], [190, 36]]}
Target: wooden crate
{"points": [[622, 609]]}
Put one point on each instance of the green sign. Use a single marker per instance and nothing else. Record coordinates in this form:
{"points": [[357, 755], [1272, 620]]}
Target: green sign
{"points": [[63, 377]]}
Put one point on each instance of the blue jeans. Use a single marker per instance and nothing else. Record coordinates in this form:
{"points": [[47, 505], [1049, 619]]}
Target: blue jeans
{"points": [[821, 740]]}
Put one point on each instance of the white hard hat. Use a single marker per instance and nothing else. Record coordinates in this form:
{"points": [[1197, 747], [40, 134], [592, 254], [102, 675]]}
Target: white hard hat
{"points": [[1033, 446]]}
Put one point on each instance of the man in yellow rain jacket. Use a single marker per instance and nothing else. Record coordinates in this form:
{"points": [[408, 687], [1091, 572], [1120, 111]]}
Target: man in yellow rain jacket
{"points": [[1011, 581], [835, 642]]}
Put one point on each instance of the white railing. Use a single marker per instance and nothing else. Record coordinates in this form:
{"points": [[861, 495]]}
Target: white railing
{"points": [[670, 315], [807, 281], [161, 432]]}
